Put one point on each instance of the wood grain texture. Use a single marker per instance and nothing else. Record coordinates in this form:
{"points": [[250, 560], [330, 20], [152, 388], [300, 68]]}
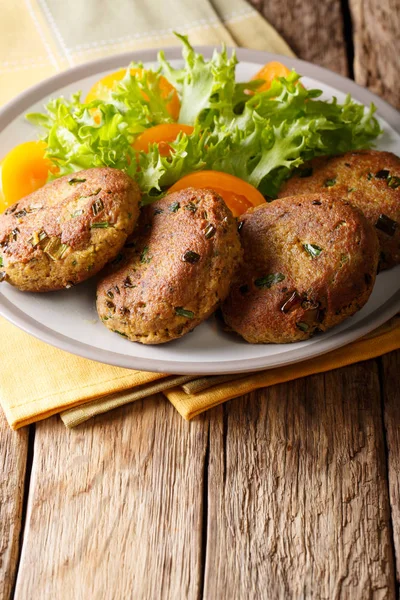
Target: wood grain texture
{"points": [[313, 29], [376, 26], [390, 386], [115, 507], [13, 453], [298, 500]]}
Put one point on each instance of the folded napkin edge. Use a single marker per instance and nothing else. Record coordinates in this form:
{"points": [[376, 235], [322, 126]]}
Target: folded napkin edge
{"points": [[190, 406]]}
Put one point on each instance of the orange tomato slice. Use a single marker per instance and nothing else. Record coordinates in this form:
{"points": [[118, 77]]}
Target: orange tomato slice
{"points": [[161, 135], [23, 171], [238, 195], [101, 88], [269, 72]]}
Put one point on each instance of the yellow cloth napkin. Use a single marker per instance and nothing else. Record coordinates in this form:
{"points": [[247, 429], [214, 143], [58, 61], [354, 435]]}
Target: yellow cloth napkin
{"points": [[42, 37], [37, 380], [384, 339]]}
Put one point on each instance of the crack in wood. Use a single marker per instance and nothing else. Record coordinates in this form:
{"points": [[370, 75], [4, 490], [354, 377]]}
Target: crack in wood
{"points": [[204, 508], [13, 453], [224, 439], [348, 36], [27, 481]]}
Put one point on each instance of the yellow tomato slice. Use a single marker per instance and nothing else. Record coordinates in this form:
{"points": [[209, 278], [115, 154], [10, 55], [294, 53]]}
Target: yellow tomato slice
{"points": [[161, 135], [269, 72], [238, 195], [101, 89], [23, 171]]}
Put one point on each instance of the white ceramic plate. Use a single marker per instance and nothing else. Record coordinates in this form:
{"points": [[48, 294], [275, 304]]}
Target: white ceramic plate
{"points": [[68, 319]]}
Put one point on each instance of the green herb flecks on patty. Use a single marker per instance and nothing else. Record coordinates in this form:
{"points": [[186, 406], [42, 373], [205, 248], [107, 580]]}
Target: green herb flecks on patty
{"points": [[386, 224], [191, 206], [182, 312], [209, 231], [393, 182], [269, 280], [75, 180], [191, 257], [100, 225], [174, 207], [145, 257], [97, 206], [312, 249]]}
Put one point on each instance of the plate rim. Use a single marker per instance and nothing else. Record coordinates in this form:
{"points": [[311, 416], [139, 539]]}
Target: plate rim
{"points": [[24, 101], [352, 333]]}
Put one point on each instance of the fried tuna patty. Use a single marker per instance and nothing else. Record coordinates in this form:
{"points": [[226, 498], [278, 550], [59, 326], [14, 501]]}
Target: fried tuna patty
{"points": [[368, 179], [309, 263], [68, 230], [185, 252]]}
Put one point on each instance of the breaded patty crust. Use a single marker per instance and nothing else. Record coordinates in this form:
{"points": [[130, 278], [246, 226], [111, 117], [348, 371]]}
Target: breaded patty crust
{"points": [[178, 269], [68, 230], [370, 180], [309, 263]]}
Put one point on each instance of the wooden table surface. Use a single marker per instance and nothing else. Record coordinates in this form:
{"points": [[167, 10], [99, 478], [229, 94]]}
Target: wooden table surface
{"points": [[289, 492]]}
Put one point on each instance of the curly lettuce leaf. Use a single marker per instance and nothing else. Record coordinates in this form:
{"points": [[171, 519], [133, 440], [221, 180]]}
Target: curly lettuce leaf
{"points": [[82, 136], [101, 133], [275, 132], [156, 173], [138, 91], [203, 86], [258, 136]]}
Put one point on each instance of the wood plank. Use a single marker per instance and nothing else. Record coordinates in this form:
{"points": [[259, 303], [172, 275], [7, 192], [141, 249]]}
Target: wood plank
{"points": [[376, 61], [13, 454], [390, 387], [115, 507], [297, 495], [313, 29], [376, 26]]}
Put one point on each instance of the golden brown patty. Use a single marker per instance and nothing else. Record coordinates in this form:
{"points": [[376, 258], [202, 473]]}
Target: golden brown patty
{"points": [[309, 262], [368, 179], [68, 230], [185, 252]]}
